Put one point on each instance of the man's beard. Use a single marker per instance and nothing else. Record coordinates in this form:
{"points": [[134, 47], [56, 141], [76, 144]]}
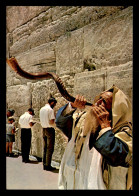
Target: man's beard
{"points": [[52, 106]]}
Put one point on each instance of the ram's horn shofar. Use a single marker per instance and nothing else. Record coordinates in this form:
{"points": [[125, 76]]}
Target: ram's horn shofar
{"points": [[12, 62]]}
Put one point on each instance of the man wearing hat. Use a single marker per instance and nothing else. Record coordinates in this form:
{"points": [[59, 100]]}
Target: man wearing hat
{"points": [[26, 123], [10, 112], [47, 119]]}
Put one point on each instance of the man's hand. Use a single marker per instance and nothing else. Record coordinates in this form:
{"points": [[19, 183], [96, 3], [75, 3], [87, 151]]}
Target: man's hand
{"points": [[102, 115], [52, 121], [79, 102], [32, 123]]}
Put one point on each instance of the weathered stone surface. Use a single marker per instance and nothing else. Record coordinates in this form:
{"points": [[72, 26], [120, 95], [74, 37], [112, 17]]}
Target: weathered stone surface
{"points": [[60, 145], [89, 84], [47, 26], [108, 42], [17, 143], [18, 97], [41, 92], [103, 43], [22, 14], [7, 44], [122, 77], [69, 50], [11, 76], [37, 141], [39, 59]]}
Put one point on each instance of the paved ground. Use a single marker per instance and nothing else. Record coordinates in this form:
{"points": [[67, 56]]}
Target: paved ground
{"points": [[29, 176]]}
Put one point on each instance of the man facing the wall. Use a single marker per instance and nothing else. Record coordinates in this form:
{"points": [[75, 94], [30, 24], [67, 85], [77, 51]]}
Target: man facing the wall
{"points": [[26, 123], [47, 119]]}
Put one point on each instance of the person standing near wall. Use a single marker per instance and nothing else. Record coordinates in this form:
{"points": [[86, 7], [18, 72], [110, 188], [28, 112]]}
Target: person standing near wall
{"points": [[10, 138], [26, 123], [47, 120]]}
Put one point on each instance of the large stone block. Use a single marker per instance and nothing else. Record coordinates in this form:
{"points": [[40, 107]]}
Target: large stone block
{"points": [[37, 141], [20, 46], [60, 145], [61, 11], [69, 53], [19, 98], [41, 93], [34, 25], [122, 77], [17, 143], [39, 59], [19, 15], [108, 42], [89, 84]]}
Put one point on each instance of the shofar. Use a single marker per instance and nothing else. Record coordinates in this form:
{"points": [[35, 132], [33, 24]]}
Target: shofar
{"points": [[12, 62]]}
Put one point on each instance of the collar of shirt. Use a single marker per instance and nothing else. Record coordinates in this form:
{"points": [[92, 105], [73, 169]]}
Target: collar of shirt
{"points": [[47, 105]]}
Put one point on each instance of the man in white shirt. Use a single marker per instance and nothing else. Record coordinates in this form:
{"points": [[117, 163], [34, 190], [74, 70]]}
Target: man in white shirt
{"points": [[26, 123], [47, 120]]}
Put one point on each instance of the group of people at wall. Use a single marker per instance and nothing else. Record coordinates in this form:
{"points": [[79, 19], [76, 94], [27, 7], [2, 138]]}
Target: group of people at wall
{"points": [[99, 150], [47, 120]]}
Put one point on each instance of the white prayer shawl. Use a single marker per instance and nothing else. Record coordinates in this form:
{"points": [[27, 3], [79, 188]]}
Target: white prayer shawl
{"points": [[86, 174]]}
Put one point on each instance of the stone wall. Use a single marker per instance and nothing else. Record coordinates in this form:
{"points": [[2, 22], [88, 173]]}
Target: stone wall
{"points": [[89, 47]]}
